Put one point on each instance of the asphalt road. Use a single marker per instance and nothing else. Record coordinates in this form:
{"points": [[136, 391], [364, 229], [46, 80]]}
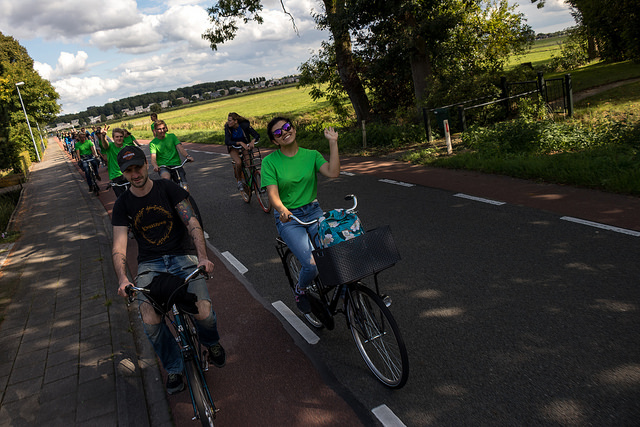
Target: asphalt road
{"points": [[511, 315]]}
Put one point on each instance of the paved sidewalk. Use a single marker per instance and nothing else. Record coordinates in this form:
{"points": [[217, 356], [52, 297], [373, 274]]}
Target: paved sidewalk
{"points": [[63, 361]]}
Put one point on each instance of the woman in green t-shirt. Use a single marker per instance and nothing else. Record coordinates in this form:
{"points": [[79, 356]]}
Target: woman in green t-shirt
{"points": [[290, 175]]}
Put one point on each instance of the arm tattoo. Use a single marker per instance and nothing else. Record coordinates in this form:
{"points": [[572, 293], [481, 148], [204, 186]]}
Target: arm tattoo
{"points": [[185, 211]]}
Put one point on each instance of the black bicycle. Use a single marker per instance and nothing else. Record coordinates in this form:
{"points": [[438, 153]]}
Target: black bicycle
{"points": [[87, 166], [339, 289], [175, 175], [194, 354], [251, 179]]}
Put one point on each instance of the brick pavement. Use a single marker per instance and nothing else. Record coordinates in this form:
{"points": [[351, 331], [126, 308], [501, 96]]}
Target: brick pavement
{"points": [[62, 360]]}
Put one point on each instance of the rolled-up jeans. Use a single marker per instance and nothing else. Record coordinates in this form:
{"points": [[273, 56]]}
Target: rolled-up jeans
{"points": [[297, 237], [159, 335]]}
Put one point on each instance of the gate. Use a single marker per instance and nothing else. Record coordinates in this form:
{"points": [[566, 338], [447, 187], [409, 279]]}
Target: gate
{"points": [[556, 93]]}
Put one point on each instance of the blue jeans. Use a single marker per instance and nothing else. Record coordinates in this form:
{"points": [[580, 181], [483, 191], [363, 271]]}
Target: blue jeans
{"points": [[159, 335], [86, 163], [297, 238]]}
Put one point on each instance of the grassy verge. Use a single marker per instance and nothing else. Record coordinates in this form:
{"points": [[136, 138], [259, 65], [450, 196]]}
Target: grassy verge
{"points": [[8, 203]]}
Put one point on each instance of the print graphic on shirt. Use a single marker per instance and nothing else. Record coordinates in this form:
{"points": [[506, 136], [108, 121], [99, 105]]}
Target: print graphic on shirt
{"points": [[158, 224]]}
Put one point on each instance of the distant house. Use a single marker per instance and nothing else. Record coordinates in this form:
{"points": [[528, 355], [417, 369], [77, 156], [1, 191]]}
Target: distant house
{"points": [[183, 100]]}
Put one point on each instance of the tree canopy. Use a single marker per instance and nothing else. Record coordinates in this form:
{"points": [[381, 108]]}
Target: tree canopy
{"points": [[39, 97], [389, 55]]}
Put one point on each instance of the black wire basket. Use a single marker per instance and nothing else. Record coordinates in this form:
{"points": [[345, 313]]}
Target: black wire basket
{"points": [[357, 258]]}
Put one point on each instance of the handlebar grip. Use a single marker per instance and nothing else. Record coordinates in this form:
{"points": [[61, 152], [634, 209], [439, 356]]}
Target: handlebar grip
{"points": [[129, 290]]}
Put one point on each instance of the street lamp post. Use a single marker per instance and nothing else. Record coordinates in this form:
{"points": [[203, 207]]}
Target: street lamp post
{"points": [[27, 117]]}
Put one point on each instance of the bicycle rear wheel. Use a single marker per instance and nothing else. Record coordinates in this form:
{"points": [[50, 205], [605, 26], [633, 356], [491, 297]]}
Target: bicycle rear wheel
{"points": [[263, 198], [377, 336], [293, 265]]}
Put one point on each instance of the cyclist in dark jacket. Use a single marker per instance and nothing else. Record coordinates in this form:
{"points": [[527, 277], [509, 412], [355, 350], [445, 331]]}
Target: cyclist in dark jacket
{"points": [[238, 131]]}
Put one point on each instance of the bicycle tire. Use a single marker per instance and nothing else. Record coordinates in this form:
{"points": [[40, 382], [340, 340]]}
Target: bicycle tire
{"points": [[377, 336], [293, 265], [263, 197], [206, 412], [195, 377]]}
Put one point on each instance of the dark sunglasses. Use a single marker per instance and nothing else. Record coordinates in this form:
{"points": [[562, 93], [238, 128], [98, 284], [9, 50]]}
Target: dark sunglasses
{"points": [[285, 128]]}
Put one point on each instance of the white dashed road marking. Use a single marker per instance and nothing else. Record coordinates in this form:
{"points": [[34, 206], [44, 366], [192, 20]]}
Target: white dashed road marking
{"points": [[402, 184], [387, 417], [233, 261], [479, 199], [296, 322], [602, 226]]}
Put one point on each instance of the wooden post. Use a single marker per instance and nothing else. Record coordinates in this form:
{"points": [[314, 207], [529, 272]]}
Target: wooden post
{"points": [[364, 136]]}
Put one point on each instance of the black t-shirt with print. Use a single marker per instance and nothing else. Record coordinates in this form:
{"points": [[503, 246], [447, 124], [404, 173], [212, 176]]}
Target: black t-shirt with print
{"points": [[155, 222]]}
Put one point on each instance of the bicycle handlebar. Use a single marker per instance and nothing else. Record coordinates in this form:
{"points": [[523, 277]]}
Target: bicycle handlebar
{"points": [[350, 210], [185, 161], [240, 147]]}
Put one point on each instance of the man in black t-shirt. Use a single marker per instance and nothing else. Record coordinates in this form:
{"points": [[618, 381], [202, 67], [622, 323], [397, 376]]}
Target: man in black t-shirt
{"points": [[170, 240]]}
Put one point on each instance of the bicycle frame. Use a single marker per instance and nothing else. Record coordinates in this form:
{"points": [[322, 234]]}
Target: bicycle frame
{"points": [[183, 326]]}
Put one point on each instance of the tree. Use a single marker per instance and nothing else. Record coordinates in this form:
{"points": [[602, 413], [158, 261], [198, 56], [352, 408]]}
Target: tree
{"points": [[613, 27], [38, 95], [226, 14]]}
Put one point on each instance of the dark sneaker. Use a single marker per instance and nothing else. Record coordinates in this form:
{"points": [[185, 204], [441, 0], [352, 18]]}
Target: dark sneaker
{"points": [[302, 301], [217, 356], [174, 383]]}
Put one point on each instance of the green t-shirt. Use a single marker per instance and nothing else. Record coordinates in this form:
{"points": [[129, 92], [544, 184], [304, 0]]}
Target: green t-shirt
{"points": [[165, 150], [84, 148], [128, 140], [296, 177], [112, 160]]}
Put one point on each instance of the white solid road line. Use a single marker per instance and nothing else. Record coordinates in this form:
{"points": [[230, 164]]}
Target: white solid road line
{"points": [[387, 417], [602, 226], [296, 322], [233, 261]]}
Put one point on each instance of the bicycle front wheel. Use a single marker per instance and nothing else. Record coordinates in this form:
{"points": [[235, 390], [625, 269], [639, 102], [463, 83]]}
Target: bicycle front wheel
{"points": [[263, 198], [245, 190], [199, 393], [377, 336]]}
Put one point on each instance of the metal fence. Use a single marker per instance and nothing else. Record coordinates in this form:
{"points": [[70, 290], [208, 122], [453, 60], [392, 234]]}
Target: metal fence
{"points": [[556, 93]]}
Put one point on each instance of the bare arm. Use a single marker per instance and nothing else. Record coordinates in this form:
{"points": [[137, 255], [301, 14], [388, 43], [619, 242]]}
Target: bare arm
{"points": [[276, 202], [331, 169], [154, 162], [119, 258], [188, 217], [184, 153]]}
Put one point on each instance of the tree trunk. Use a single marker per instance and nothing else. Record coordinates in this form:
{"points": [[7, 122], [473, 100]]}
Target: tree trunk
{"points": [[344, 58], [421, 67]]}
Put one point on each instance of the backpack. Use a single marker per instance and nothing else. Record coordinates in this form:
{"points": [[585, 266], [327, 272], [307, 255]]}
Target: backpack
{"points": [[337, 226]]}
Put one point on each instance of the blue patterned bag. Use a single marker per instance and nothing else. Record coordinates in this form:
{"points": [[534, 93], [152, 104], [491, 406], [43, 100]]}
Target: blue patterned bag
{"points": [[337, 226]]}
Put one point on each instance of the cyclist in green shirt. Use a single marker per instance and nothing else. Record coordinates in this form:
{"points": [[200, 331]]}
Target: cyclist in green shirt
{"points": [[290, 175], [111, 148], [86, 155], [165, 150]]}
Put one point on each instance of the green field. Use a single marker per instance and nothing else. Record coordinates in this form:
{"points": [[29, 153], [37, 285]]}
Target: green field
{"points": [[204, 122], [540, 52]]}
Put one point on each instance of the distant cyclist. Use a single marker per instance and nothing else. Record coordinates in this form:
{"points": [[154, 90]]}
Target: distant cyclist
{"points": [[86, 155], [238, 131], [165, 150], [154, 119], [129, 139], [111, 148]]}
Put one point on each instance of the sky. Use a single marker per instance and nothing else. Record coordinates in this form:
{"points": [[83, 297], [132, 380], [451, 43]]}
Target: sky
{"points": [[95, 52]]}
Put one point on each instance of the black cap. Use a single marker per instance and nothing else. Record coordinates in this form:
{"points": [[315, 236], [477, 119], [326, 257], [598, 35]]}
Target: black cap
{"points": [[129, 156]]}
